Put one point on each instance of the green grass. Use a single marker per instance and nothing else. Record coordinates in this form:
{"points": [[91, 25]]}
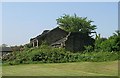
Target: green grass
{"points": [[63, 69], [0, 69]]}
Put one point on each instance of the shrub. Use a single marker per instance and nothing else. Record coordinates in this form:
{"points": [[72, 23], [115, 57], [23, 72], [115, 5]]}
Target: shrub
{"points": [[47, 54], [88, 48]]}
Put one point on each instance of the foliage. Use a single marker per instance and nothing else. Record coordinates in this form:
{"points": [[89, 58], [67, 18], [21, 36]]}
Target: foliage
{"points": [[88, 48], [104, 49], [75, 24], [110, 44], [17, 48], [28, 45], [47, 54]]}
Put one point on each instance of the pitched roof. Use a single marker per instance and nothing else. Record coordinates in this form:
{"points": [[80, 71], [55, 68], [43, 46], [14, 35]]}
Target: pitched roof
{"points": [[47, 32], [5, 49]]}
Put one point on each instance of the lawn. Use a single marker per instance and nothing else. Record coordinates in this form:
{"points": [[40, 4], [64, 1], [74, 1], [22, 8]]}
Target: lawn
{"points": [[63, 69]]}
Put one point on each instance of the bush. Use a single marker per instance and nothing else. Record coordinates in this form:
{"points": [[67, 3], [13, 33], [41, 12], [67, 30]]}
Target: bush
{"points": [[110, 44], [47, 54], [88, 48]]}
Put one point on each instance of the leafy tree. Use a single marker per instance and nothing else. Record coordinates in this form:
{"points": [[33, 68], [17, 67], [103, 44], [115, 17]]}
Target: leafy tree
{"points": [[116, 37], [75, 24], [117, 33], [98, 41], [110, 44], [107, 45]]}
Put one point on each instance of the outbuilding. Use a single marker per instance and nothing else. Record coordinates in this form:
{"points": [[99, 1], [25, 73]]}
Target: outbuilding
{"points": [[5, 50], [57, 37]]}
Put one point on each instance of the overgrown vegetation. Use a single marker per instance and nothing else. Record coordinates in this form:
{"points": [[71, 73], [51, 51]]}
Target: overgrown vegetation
{"points": [[111, 44], [104, 49], [47, 54]]}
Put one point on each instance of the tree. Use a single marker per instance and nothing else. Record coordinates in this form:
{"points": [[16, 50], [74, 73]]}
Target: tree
{"points": [[75, 24], [116, 37], [98, 42], [117, 33], [110, 44]]}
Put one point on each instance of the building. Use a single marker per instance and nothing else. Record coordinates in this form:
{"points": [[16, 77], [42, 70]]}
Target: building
{"points": [[72, 41], [5, 50]]}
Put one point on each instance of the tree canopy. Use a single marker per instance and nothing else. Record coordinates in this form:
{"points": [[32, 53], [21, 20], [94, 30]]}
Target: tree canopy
{"points": [[75, 23], [110, 44]]}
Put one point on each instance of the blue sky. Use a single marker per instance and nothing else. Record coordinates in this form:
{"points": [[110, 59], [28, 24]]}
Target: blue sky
{"points": [[0, 23], [24, 20]]}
